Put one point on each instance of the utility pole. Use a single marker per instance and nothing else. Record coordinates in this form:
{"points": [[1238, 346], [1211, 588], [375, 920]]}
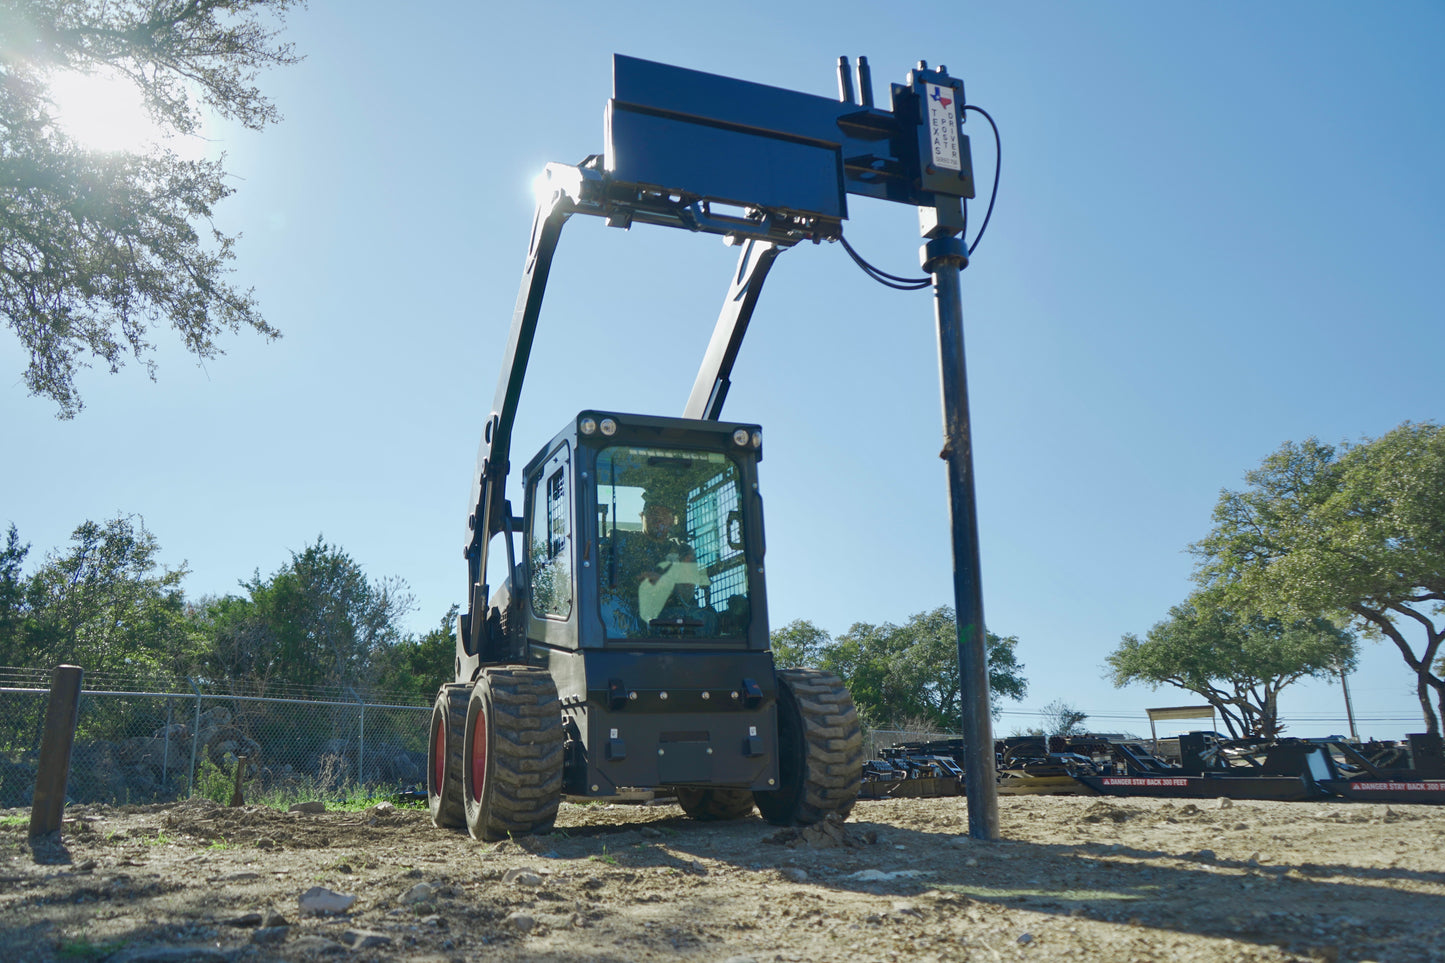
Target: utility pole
{"points": [[1349, 710]]}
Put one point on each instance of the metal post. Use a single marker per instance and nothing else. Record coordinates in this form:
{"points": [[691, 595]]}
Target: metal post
{"points": [[166, 746], [944, 257], [361, 742], [58, 739], [195, 739], [1349, 710]]}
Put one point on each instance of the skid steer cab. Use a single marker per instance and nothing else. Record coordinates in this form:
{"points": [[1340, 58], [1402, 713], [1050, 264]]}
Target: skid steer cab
{"points": [[629, 648]]}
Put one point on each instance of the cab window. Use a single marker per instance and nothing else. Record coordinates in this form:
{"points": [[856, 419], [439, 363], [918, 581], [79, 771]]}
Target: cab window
{"points": [[671, 547], [549, 553]]}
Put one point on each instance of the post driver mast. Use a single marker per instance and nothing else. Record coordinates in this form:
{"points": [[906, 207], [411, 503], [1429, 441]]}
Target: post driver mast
{"points": [[766, 168]]}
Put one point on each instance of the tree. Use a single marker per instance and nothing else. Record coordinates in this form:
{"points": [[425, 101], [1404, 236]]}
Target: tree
{"points": [[415, 667], [1354, 532], [12, 597], [106, 605], [317, 621], [1062, 719], [799, 643], [96, 249], [1237, 662], [902, 674]]}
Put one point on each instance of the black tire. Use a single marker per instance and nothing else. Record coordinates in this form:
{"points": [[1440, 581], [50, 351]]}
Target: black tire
{"points": [[820, 750], [444, 757], [512, 754], [715, 804]]}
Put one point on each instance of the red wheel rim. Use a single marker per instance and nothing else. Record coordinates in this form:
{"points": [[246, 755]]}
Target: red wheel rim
{"points": [[479, 754], [439, 758]]}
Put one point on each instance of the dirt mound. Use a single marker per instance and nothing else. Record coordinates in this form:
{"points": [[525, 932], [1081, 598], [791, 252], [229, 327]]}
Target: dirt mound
{"points": [[831, 833]]}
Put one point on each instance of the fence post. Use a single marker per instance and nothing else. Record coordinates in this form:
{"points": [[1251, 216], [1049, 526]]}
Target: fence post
{"points": [[166, 747], [361, 743], [61, 714], [195, 739]]}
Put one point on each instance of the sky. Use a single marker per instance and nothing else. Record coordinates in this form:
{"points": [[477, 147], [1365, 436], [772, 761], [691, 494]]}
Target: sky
{"points": [[1215, 232]]}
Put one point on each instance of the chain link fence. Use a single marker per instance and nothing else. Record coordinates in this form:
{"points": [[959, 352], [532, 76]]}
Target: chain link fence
{"points": [[156, 740], [159, 743]]}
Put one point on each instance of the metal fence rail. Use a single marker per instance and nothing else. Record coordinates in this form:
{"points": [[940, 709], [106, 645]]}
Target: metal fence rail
{"points": [[134, 746]]}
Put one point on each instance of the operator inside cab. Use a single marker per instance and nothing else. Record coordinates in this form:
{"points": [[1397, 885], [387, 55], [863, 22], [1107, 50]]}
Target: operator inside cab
{"points": [[678, 571], [655, 567]]}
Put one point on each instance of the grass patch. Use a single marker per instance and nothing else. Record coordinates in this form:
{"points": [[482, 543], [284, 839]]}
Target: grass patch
{"points": [[12, 821], [341, 798], [82, 948]]}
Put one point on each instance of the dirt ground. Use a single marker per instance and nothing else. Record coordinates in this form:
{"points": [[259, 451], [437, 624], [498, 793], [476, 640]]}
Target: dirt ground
{"points": [[1081, 878]]}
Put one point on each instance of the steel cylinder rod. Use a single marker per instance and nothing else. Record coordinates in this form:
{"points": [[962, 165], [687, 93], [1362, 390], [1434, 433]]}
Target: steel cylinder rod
{"points": [[944, 258]]}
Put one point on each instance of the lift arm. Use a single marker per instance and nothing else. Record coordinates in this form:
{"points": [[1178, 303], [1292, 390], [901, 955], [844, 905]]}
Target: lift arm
{"points": [[714, 377], [489, 513], [679, 142], [588, 189]]}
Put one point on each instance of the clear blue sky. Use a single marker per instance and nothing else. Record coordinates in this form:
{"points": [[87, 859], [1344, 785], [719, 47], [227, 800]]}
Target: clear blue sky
{"points": [[1216, 231]]}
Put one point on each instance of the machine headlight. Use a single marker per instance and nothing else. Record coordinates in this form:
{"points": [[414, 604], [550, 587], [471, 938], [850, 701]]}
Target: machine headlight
{"points": [[609, 427], [587, 426], [757, 439], [740, 437]]}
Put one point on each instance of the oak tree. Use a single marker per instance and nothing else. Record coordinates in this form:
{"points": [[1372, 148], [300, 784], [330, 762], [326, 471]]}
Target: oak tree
{"points": [[1355, 531], [903, 674], [97, 249], [1237, 662]]}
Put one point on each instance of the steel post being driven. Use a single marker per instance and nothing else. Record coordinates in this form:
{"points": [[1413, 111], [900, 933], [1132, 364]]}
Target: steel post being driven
{"points": [[61, 712], [944, 258]]}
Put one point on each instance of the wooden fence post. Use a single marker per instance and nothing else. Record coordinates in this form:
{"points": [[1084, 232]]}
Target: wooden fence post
{"points": [[55, 745]]}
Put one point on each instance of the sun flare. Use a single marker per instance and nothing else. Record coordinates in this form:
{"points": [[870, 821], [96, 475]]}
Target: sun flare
{"points": [[102, 112]]}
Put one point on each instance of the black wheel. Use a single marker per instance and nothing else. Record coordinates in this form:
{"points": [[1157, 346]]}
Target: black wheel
{"points": [[512, 753], [820, 750], [444, 757], [715, 804]]}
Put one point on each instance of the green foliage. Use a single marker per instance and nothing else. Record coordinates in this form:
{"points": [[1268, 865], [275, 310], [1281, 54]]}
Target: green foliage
{"points": [[902, 675], [318, 621], [12, 592], [412, 668], [83, 948], [98, 248], [1354, 532], [105, 604], [1238, 662], [1062, 719], [799, 643], [214, 782]]}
